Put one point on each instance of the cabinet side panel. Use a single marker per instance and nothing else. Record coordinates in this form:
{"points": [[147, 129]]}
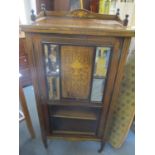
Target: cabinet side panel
{"points": [[40, 108], [117, 84], [112, 70]]}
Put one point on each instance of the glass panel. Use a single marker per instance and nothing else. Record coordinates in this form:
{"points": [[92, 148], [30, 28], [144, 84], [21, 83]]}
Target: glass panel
{"points": [[52, 70], [97, 89], [100, 72], [101, 61], [53, 88], [52, 59]]}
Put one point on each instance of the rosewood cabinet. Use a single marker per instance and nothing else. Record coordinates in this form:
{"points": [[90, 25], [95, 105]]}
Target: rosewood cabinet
{"points": [[77, 61]]}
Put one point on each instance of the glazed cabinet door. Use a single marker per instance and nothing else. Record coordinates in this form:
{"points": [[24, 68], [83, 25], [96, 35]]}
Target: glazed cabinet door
{"points": [[81, 70]]}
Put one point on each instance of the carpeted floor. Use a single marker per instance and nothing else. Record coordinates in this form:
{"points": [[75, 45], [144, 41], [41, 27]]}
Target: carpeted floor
{"points": [[61, 147]]}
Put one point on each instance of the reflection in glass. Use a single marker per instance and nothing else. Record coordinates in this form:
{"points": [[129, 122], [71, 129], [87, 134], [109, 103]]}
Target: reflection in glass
{"points": [[101, 61], [51, 59], [100, 71], [52, 70], [97, 90], [53, 88]]}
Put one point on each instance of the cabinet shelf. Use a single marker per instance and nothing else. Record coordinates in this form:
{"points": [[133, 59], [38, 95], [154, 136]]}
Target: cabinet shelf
{"points": [[75, 103], [74, 125], [75, 114], [72, 132]]}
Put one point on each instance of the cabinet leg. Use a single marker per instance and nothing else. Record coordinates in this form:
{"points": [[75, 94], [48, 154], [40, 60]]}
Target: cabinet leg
{"points": [[102, 146], [45, 143], [26, 111]]}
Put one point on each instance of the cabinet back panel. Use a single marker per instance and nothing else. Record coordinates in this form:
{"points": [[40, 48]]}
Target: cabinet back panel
{"points": [[72, 125]]}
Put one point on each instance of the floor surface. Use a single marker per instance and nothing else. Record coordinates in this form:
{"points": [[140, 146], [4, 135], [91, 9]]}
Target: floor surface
{"points": [[30, 146]]}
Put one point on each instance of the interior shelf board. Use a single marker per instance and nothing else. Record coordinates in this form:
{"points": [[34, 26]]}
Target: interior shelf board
{"points": [[73, 132], [74, 114], [93, 105], [74, 137]]}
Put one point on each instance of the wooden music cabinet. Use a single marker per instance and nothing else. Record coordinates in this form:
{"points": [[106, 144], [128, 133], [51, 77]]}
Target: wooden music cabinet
{"points": [[77, 61]]}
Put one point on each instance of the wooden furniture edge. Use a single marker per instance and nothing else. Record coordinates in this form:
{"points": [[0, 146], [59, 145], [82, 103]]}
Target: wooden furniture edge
{"points": [[73, 138], [111, 81], [81, 31], [40, 106], [119, 76], [79, 13]]}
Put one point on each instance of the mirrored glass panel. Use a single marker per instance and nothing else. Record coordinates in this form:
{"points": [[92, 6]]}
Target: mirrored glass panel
{"points": [[51, 53], [51, 59], [53, 88], [97, 89], [100, 73], [101, 61]]}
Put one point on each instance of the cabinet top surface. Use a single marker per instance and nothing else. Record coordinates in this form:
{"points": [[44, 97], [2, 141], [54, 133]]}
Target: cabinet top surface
{"points": [[79, 22]]}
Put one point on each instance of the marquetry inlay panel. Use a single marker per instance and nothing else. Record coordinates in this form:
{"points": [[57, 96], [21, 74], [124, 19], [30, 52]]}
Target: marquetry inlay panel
{"points": [[76, 70]]}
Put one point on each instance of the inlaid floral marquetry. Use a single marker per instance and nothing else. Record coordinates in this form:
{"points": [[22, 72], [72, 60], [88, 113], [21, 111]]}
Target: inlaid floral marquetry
{"points": [[76, 69]]}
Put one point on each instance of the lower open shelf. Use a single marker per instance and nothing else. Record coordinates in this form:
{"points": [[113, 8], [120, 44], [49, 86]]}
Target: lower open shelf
{"points": [[74, 114], [73, 126], [74, 120], [74, 137], [73, 132]]}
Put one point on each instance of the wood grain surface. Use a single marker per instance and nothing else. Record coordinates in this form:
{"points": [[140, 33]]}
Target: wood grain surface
{"points": [[76, 67], [79, 22]]}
